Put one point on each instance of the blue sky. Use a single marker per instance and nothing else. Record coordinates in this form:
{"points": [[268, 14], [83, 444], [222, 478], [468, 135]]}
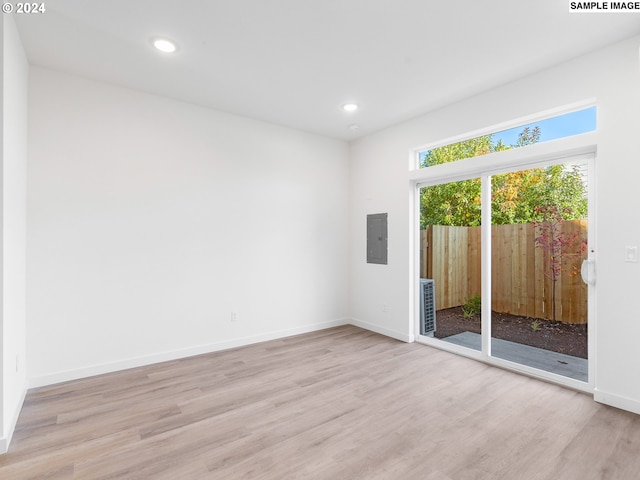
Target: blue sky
{"points": [[557, 127], [561, 126]]}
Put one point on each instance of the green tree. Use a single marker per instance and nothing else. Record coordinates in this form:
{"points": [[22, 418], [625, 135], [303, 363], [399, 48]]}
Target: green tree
{"points": [[515, 196], [456, 203], [528, 136]]}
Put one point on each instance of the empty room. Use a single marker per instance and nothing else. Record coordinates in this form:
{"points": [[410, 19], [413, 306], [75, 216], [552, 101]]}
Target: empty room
{"points": [[330, 240]]}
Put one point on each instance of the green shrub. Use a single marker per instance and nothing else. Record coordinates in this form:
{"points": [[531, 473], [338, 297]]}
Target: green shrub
{"points": [[472, 306]]}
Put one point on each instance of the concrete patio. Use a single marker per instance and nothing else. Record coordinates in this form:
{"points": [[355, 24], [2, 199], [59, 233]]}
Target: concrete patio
{"points": [[558, 363]]}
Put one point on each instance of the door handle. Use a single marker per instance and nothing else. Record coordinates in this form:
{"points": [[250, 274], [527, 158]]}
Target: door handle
{"points": [[588, 272]]}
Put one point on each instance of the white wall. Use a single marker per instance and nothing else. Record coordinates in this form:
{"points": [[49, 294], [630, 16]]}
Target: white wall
{"points": [[14, 167], [379, 183], [151, 220]]}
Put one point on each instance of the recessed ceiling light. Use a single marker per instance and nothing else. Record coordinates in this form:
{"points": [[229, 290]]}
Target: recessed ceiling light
{"points": [[164, 45], [354, 126], [350, 107]]}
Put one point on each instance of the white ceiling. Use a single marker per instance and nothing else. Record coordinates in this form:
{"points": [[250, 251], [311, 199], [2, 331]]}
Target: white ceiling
{"points": [[295, 62]]}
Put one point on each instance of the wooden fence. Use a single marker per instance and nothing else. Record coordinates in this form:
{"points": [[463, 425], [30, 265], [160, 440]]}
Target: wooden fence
{"points": [[521, 283]]}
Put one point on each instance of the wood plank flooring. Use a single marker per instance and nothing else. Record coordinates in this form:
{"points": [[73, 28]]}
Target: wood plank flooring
{"points": [[342, 403]]}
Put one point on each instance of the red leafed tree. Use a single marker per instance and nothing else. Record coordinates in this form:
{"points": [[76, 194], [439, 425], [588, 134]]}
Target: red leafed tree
{"points": [[558, 244]]}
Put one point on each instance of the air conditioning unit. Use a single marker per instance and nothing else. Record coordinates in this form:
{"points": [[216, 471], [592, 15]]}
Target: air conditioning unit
{"points": [[427, 307]]}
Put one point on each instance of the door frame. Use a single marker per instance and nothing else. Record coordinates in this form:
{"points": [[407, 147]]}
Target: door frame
{"points": [[583, 147]]}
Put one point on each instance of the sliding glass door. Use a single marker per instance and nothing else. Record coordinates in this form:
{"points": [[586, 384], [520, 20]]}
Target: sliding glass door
{"points": [[534, 222]]}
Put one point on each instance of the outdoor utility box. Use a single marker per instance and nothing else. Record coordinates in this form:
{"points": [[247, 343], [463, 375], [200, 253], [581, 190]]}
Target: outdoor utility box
{"points": [[377, 238], [427, 307]]}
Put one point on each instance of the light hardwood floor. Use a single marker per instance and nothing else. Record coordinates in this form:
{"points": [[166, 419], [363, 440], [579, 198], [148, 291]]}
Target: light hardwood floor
{"points": [[342, 403]]}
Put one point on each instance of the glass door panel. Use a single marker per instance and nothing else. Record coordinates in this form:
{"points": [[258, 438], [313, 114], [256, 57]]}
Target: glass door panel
{"points": [[538, 242], [450, 262]]}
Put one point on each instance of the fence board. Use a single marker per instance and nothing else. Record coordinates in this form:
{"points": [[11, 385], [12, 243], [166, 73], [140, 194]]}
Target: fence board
{"points": [[520, 280], [474, 261]]}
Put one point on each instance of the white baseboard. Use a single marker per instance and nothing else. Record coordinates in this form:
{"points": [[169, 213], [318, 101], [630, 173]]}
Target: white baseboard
{"points": [[618, 401], [402, 336], [93, 370], [5, 441]]}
